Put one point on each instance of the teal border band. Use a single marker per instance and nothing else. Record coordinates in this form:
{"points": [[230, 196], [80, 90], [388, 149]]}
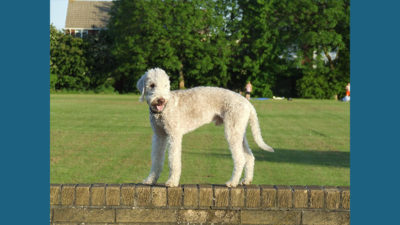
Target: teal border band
{"points": [[374, 111], [24, 91], [25, 122]]}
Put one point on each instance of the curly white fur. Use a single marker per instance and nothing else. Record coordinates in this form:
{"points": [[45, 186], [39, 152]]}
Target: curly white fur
{"points": [[175, 113]]}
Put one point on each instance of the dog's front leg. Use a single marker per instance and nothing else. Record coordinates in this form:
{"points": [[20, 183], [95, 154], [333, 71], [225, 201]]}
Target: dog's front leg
{"points": [[157, 158], [174, 160]]}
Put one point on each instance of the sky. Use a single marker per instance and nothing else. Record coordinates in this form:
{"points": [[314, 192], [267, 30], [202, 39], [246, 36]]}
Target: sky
{"points": [[58, 12]]}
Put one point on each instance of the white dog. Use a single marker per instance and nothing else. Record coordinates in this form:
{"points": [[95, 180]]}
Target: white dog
{"points": [[175, 113]]}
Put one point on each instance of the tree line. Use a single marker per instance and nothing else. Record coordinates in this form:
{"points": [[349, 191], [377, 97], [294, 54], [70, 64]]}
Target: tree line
{"points": [[285, 48]]}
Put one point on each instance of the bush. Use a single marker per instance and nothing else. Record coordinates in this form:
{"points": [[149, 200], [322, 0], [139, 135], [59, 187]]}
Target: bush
{"points": [[67, 60], [53, 81], [262, 90], [106, 88]]}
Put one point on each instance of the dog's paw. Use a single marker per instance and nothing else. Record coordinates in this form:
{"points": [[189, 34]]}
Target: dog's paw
{"points": [[231, 184], [171, 183], [245, 182], [149, 181]]}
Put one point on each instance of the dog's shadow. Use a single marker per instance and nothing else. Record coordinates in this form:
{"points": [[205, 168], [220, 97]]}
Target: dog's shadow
{"points": [[307, 157]]}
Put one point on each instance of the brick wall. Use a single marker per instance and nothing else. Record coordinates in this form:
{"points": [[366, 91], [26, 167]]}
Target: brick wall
{"points": [[74, 204]]}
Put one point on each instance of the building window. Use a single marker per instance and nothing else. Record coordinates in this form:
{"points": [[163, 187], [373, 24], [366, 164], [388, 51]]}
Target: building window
{"points": [[84, 33], [78, 33]]}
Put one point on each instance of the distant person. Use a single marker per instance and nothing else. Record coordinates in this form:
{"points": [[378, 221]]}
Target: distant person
{"points": [[249, 89], [347, 97]]}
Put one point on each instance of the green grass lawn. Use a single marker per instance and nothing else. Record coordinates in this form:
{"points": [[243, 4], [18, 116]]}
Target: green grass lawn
{"points": [[107, 139]]}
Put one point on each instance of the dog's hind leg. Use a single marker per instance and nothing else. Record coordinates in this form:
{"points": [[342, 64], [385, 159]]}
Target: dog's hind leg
{"points": [[234, 131], [249, 165], [157, 158]]}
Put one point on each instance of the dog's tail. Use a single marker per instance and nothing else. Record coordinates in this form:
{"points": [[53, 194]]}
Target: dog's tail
{"points": [[255, 129]]}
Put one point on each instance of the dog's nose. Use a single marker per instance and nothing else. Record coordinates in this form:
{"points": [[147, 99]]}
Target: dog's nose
{"points": [[160, 101]]}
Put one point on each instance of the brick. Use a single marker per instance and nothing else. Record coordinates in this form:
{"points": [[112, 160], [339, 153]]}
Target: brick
{"points": [[332, 198], [83, 215], [82, 194], [268, 196], [128, 194], [300, 197], [270, 217], [237, 196], [113, 195], [345, 198], [67, 194], [284, 196], [190, 196], [316, 197], [191, 216], [174, 196], [143, 195], [253, 196], [205, 195], [196, 216], [224, 217], [98, 195], [325, 218], [221, 196], [159, 196], [55, 193], [146, 215]]}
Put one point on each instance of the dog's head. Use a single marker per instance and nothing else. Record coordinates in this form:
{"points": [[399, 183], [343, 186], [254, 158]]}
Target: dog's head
{"points": [[154, 85]]}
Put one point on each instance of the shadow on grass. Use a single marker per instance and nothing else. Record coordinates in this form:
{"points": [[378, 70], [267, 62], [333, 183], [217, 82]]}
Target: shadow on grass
{"points": [[307, 157]]}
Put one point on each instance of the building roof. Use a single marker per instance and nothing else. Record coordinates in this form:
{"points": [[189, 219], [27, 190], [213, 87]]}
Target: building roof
{"points": [[87, 14]]}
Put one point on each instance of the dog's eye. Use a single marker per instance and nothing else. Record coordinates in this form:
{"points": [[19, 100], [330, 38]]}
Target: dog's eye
{"points": [[152, 85]]}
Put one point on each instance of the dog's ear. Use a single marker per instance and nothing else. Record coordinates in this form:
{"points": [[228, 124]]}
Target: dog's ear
{"points": [[140, 85]]}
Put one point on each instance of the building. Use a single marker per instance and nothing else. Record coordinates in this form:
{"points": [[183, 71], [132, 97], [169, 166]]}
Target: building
{"points": [[86, 17]]}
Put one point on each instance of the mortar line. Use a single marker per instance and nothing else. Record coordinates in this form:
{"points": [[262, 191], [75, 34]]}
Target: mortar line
{"points": [[245, 195], [198, 196], [105, 194], [340, 197], [293, 197], [120, 196], [151, 195], [115, 215], [90, 194], [183, 196], [135, 195], [229, 198], [301, 217], [308, 197], [261, 197], [325, 195], [167, 196], [74, 198], [213, 193], [276, 196], [60, 193]]}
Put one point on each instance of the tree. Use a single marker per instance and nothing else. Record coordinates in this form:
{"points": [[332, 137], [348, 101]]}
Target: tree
{"points": [[313, 29], [183, 37], [256, 49], [284, 47], [99, 60]]}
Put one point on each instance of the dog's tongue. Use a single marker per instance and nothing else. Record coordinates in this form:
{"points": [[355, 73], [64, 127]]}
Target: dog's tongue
{"points": [[160, 107]]}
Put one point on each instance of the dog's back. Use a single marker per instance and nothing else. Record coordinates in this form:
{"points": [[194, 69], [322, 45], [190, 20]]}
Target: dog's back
{"points": [[206, 104]]}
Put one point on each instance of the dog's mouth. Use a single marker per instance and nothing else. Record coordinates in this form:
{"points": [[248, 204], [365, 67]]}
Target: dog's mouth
{"points": [[158, 105]]}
